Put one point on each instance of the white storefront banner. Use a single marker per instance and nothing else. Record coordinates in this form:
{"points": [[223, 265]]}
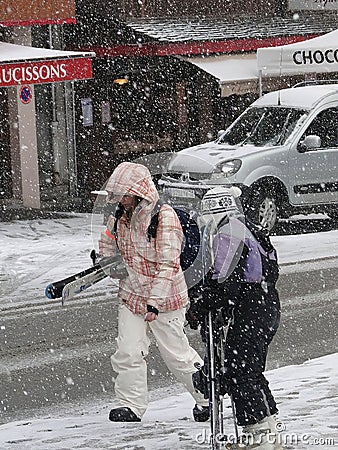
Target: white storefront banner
{"points": [[318, 55]]}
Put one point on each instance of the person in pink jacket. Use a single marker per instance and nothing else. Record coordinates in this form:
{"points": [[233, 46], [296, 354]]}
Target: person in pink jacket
{"points": [[153, 296]]}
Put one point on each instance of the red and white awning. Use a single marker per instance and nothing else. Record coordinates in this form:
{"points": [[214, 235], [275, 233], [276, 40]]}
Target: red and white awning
{"points": [[30, 65]]}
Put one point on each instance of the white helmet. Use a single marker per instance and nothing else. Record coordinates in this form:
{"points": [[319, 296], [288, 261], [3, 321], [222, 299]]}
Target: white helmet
{"points": [[220, 202]]}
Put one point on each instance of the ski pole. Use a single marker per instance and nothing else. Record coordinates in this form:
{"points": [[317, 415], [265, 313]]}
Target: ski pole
{"points": [[234, 417], [213, 402], [225, 334]]}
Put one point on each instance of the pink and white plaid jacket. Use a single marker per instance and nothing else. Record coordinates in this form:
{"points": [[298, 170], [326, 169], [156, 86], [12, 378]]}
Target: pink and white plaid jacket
{"points": [[154, 276]]}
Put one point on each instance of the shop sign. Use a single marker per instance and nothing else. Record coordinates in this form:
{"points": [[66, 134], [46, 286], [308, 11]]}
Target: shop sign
{"points": [[26, 94], [324, 57], [47, 71], [313, 5]]}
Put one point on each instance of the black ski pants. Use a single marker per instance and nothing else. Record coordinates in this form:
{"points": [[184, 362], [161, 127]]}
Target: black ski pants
{"points": [[256, 318]]}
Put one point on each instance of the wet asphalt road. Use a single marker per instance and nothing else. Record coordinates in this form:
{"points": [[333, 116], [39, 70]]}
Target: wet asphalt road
{"points": [[52, 357]]}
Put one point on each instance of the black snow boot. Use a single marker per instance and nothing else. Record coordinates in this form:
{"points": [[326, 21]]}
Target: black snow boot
{"points": [[201, 413], [123, 415]]}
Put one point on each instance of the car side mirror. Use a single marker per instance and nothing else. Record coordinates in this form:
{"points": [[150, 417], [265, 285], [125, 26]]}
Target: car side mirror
{"points": [[311, 142]]}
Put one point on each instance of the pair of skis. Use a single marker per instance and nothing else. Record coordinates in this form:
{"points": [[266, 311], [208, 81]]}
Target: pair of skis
{"points": [[68, 287], [216, 327], [216, 330]]}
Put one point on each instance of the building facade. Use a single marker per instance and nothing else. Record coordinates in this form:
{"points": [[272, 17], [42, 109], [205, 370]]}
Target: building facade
{"points": [[166, 75], [37, 138], [156, 84]]}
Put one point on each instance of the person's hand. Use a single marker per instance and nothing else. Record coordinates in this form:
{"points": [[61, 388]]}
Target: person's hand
{"points": [[118, 275], [193, 315], [211, 300], [200, 306], [149, 317], [119, 272], [151, 313]]}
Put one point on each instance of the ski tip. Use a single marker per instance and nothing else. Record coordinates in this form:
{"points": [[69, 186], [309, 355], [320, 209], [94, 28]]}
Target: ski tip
{"points": [[49, 291]]}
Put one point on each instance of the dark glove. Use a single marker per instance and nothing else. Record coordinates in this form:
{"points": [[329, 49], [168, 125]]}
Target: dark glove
{"points": [[212, 299], [152, 309], [193, 315], [208, 300]]}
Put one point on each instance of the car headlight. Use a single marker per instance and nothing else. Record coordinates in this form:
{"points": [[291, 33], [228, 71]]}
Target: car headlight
{"points": [[228, 168]]}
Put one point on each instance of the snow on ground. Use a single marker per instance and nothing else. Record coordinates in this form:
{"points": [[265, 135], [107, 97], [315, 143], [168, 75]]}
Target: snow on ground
{"points": [[306, 396], [305, 247], [36, 252]]}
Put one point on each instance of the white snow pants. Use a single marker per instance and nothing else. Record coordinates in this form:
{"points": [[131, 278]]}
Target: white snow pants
{"points": [[132, 348]]}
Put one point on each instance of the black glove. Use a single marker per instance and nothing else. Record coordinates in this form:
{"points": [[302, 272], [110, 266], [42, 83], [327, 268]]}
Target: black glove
{"points": [[152, 309], [207, 300], [212, 299], [193, 316]]}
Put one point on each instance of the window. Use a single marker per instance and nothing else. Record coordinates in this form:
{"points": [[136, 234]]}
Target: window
{"points": [[263, 126], [325, 125]]}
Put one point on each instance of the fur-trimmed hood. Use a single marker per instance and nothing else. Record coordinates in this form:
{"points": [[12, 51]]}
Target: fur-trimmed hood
{"points": [[134, 179]]}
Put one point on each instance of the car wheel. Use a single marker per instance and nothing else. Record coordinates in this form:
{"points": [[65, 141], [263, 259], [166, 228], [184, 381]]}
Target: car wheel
{"points": [[263, 210]]}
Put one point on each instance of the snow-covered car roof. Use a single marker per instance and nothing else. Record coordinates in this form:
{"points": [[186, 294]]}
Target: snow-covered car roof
{"points": [[304, 97]]}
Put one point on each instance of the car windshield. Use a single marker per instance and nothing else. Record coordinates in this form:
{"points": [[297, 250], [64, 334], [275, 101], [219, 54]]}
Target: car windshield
{"points": [[267, 126]]}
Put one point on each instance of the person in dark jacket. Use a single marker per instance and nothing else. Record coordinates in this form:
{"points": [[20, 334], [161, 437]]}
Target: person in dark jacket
{"points": [[242, 282]]}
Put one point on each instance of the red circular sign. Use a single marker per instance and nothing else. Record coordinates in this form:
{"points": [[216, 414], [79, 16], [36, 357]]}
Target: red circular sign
{"points": [[26, 94]]}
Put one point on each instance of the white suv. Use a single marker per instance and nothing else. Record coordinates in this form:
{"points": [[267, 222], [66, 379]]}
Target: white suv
{"points": [[282, 152]]}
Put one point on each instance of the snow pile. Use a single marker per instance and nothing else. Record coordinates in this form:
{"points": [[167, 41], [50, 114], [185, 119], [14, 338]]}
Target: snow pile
{"points": [[34, 253], [306, 396]]}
